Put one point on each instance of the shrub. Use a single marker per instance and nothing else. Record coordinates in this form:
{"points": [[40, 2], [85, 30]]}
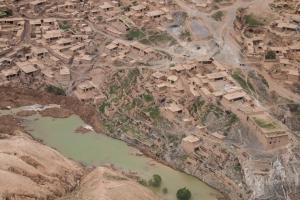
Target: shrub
{"points": [[148, 97], [218, 16], [55, 90], [6, 13], [270, 55], [251, 20], [183, 194], [155, 181], [154, 112]]}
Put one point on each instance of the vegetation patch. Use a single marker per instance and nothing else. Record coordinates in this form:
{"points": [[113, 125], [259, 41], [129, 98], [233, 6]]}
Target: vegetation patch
{"points": [[251, 20], [103, 106], [153, 112], [270, 55], [183, 194], [155, 181], [265, 123], [135, 34], [218, 16], [65, 25], [55, 90], [6, 13], [245, 84]]}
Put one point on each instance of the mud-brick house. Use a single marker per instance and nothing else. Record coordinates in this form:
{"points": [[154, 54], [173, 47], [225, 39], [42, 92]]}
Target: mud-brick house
{"points": [[86, 92], [190, 143], [268, 131], [28, 71], [10, 74], [293, 75]]}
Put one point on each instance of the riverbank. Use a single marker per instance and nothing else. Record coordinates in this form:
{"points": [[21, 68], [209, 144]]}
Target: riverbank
{"points": [[16, 97]]}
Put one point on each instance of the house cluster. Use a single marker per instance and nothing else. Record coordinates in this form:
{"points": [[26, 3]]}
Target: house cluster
{"points": [[130, 52], [51, 47], [276, 46], [210, 5], [117, 17], [11, 33], [210, 80]]}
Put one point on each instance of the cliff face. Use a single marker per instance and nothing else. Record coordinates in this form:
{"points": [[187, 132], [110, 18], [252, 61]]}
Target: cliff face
{"points": [[277, 182]]}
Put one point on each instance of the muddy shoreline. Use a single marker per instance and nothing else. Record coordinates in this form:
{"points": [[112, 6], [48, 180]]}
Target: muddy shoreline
{"points": [[17, 97]]}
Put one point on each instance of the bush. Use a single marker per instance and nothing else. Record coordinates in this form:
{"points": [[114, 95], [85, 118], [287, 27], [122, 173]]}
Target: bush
{"points": [[155, 181], [183, 194], [6, 13], [64, 25], [148, 97], [270, 55], [218, 16], [55, 90], [142, 182]]}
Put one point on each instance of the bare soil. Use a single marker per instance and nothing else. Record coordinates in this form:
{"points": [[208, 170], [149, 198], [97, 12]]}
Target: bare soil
{"points": [[16, 97]]}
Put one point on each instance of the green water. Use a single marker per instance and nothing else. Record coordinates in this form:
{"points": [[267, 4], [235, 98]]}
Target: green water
{"points": [[97, 149]]}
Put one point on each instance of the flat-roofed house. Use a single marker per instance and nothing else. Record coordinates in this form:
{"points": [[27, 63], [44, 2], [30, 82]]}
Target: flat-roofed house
{"points": [[39, 52], [28, 71], [138, 8], [217, 76], [35, 5], [11, 74], [190, 143], [85, 92], [293, 75], [269, 132], [52, 35], [106, 6], [235, 96], [155, 14], [64, 76]]}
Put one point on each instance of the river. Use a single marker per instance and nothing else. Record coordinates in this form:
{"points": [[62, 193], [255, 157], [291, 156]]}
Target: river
{"points": [[97, 149]]}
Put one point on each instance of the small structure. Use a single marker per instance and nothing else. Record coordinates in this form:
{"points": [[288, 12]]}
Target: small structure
{"points": [[269, 132], [190, 143]]}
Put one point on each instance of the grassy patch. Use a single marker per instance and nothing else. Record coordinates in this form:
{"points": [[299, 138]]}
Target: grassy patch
{"points": [[197, 105], [243, 83], [64, 25], [103, 106], [264, 123], [251, 20], [135, 34], [55, 90], [153, 112], [148, 97], [5, 13]]}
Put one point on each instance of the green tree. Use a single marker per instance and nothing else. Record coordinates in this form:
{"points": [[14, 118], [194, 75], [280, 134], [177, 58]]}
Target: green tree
{"points": [[155, 181], [183, 194]]}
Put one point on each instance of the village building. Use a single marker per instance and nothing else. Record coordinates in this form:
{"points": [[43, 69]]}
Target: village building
{"points": [[85, 92], [269, 132], [189, 144]]}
